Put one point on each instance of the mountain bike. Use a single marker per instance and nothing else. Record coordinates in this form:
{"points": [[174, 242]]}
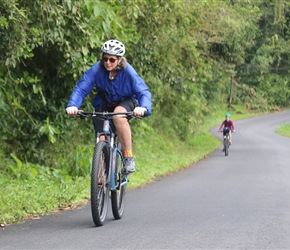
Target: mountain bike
{"points": [[226, 142], [107, 174]]}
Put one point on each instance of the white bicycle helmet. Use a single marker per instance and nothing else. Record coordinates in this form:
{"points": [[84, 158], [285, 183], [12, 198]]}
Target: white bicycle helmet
{"points": [[114, 47]]}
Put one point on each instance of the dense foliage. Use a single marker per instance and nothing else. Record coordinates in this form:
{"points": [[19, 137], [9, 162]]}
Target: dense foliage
{"points": [[192, 55]]}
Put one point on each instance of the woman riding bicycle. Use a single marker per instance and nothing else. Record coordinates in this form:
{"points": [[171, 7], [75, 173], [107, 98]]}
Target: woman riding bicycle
{"points": [[119, 89], [227, 123]]}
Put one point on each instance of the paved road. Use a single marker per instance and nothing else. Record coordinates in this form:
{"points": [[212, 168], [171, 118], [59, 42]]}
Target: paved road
{"points": [[237, 202]]}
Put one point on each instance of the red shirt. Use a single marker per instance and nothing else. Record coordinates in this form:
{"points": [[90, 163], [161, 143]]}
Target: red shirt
{"points": [[228, 123]]}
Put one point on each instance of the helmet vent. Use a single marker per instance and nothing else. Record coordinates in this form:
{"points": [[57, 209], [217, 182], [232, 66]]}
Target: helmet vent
{"points": [[114, 47]]}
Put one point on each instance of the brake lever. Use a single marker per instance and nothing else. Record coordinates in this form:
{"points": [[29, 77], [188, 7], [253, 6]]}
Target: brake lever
{"points": [[81, 115]]}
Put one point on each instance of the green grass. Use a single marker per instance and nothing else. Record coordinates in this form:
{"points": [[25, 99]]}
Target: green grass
{"points": [[158, 155], [21, 199], [284, 129], [39, 190]]}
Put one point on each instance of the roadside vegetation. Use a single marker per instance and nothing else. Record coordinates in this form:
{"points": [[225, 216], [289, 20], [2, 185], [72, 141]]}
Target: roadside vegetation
{"points": [[284, 129], [200, 59]]}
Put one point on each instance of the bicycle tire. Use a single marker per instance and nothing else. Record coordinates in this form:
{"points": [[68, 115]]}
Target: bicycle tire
{"points": [[227, 143], [99, 183], [118, 196]]}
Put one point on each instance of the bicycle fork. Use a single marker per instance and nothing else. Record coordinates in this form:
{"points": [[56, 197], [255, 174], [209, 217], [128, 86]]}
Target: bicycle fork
{"points": [[114, 183]]}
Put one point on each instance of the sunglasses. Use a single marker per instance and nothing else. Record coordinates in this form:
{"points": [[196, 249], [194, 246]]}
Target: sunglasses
{"points": [[112, 60]]}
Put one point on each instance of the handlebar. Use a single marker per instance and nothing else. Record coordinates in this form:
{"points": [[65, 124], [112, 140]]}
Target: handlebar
{"points": [[105, 114], [233, 131]]}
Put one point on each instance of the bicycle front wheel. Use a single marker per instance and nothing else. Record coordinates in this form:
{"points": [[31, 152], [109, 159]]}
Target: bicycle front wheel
{"points": [[99, 183], [118, 195], [227, 143]]}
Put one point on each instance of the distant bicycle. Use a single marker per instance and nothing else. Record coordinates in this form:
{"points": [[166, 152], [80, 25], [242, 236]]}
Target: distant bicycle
{"points": [[226, 141], [108, 174]]}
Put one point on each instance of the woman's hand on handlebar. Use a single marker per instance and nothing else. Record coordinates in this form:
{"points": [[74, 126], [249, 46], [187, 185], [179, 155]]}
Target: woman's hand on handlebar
{"points": [[72, 111], [139, 111]]}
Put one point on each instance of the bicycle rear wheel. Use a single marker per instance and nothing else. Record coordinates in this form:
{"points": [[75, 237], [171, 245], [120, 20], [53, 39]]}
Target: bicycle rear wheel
{"points": [[99, 183], [118, 195]]}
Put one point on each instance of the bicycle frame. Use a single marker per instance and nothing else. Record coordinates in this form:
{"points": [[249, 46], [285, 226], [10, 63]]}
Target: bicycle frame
{"points": [[226, 137]]}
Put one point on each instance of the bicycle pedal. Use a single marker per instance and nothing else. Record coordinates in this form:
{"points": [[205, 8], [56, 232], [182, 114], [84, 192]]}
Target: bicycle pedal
{"points": [[124, 171]]}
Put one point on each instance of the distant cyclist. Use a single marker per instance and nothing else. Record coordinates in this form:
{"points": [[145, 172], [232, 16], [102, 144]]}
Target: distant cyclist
{"points": [[119, 89], [227, 126]]}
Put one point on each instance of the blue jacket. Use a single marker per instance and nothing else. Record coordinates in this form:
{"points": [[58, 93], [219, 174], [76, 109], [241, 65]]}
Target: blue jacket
{"points": [[126, 84]]}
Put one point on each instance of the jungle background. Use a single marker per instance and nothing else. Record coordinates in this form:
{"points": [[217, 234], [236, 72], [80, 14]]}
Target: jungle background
{"points": [[199, 58]]}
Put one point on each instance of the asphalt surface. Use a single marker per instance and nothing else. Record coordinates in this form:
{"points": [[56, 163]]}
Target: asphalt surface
{"points": [[241, 201]]}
